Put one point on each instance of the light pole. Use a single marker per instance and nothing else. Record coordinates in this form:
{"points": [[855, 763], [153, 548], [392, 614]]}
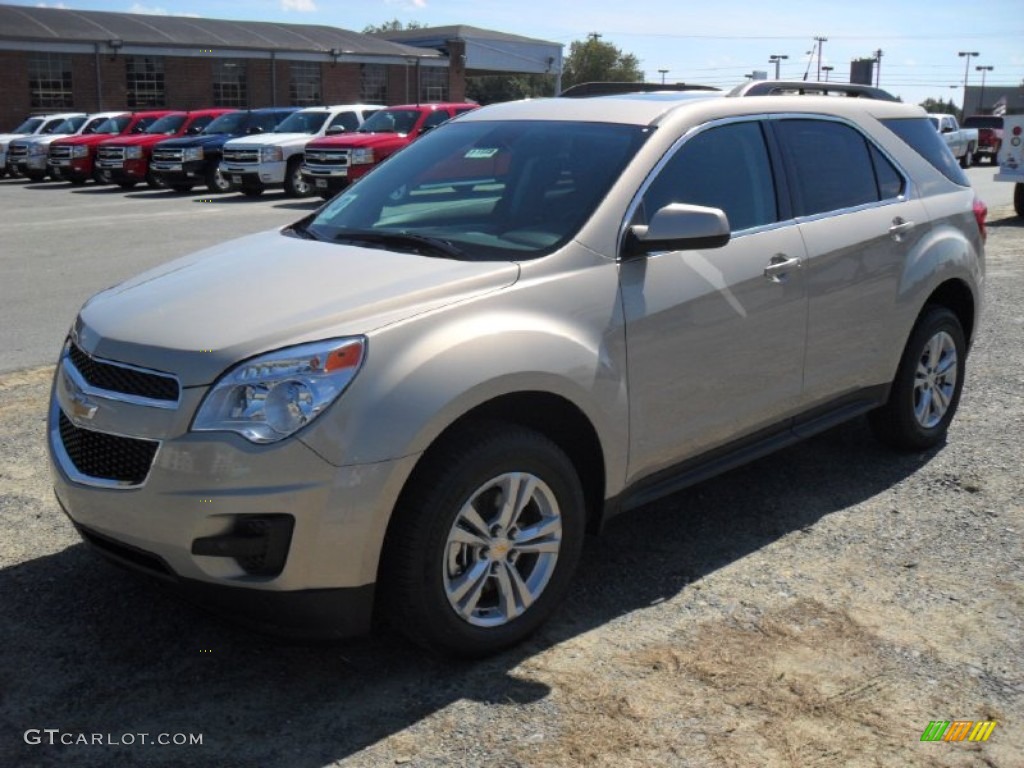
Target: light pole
{"points": [[776, 58], [820, 41], [983, 70], [967, 71], [663, 73], [826, 69]]}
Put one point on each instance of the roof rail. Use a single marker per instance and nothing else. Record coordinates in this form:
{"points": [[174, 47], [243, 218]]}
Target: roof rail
{"points": [[814, 88], [584, 90]]}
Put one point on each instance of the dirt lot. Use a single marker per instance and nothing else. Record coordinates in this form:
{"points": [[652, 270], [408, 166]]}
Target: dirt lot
{"points": [[817, 608]]}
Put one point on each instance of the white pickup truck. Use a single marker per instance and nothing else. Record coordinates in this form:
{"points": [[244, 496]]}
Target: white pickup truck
{"points": [[962, 141], [1011, 159]]}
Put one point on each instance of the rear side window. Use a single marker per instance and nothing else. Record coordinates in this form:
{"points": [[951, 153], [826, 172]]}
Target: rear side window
{"points": [[725, 167], [831, 163], [922, 137]]}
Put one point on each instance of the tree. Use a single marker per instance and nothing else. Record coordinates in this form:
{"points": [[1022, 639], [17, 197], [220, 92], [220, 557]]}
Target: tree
{"points": [[489, 89], [391, 26], [938, 106], [592, 61]]}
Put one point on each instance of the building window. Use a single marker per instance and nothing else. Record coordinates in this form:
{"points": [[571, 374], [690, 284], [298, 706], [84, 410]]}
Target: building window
{"points": [[433, 84], [373, 83], [145, 81], [304, 87], [49, 79], [229, 83]]}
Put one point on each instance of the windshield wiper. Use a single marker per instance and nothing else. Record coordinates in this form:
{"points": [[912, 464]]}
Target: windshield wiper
{"points": [[421, 244]]}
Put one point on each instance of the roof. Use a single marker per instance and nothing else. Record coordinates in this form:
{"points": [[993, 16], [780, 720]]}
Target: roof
{"points": [[30, 24], [455, 32]]}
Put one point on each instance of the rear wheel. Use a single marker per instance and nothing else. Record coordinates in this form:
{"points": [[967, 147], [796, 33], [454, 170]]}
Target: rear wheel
{"points": [[484, 541], [926, 391], [965, 161]]}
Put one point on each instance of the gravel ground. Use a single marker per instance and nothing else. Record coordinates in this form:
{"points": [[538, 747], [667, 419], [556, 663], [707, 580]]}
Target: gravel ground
{"points": [[816, 608]]}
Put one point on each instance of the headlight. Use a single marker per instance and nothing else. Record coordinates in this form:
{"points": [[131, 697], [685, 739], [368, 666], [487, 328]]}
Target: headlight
{"points": [[271, 155], [270, 397], [192, 153], [132, 153], [362, 156], [80, 150]]}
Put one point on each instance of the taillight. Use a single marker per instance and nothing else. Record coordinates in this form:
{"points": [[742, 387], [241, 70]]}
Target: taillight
{"points": [[980, 214]]}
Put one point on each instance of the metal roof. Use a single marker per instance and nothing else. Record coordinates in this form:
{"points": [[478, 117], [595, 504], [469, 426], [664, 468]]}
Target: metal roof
{"points": [[30, 24]]}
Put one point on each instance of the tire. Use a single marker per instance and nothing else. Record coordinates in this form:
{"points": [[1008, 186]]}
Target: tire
{"points": [[153, 182], [1018, 198], [102, 177], [456, 576], [216, 182], [926, 391], [181, 187], [294, 184], [965, 161]]}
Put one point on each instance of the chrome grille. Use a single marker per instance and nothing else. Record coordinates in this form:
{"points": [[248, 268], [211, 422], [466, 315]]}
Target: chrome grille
{"points": [[165, 155], [17, 150], [327, 158], [59, 152], [250, 156], [118, 378], [98, 455], [110, 153]]}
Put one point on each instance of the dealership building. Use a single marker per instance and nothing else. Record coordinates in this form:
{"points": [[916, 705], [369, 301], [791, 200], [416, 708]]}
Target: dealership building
{"points": [[57, 60]]}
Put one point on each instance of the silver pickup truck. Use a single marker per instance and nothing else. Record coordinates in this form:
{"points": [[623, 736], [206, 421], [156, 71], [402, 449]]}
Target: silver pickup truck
{"points": [[963, 142]]}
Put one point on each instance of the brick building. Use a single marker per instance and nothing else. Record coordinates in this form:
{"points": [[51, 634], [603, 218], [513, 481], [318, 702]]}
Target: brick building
{"points": [[63, 60]]}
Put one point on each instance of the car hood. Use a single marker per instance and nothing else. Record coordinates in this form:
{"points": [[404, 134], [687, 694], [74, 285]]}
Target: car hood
{"points": [[360, 140], [26, 140], [139, 139], [201, 314], [6, 138], [91, 138], [210, 139], [272, 140]]}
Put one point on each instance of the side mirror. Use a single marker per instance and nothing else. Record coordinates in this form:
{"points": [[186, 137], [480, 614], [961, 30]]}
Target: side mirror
{"points": [[255, 129], [679, 227], [334, 130]]}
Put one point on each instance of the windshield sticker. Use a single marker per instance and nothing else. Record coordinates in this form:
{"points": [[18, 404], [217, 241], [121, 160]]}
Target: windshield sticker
{"points": [[482, 153]]}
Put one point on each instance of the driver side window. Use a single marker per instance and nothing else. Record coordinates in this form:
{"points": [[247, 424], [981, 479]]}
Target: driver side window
{"points": [[724, 167]]}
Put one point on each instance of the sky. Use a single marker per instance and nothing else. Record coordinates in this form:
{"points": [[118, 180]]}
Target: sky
{"points": [[695, 42]]}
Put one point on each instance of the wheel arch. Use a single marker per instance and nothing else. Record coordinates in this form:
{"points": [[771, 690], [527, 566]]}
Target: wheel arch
{"points": [[956, 296]]}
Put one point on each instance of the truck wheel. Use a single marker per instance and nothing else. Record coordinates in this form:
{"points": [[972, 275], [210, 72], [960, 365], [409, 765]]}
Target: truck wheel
{"points": [[965, 161], [153, 182], [926, 391], [102, 177], [483, 542], [216, 181], [1018, 198], [294, 184]]}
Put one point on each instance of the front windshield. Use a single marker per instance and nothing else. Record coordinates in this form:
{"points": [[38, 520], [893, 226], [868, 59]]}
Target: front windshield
{"points": [[232, 122], [302, 122], [391, 121], [29, 126], [68, 126], [113, 124], [485, 190], [168, 124]]}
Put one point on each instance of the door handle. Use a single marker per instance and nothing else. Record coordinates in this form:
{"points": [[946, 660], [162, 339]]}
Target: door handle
{"points": [[899, 228], [778, 268]]}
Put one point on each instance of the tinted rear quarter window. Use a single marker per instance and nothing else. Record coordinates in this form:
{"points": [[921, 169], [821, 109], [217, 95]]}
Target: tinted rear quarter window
{"points": [[921, 136]]}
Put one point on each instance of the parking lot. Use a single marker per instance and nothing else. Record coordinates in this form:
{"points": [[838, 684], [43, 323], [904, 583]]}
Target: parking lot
{"points": [[758, 619]]}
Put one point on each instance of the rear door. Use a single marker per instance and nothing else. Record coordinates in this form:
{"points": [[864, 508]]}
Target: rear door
{"points": [[859, 223]]}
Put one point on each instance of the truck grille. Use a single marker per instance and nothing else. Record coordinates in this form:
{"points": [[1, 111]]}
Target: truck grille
{"points": [[168, 155], [107, 457], [127, 381], [58, 152], [110, 153], [248, 156], [17, 150], [327, 158]]}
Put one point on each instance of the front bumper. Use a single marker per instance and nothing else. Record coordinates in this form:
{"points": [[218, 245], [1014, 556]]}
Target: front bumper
{"points": [[126, 170], [71, 168], [173, 173], [265, 174], [201, 487]]}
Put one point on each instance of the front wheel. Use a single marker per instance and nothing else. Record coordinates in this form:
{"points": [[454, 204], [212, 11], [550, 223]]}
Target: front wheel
{"points": [[926, 391], [294, 184], [484, 541], [1018, 198], [216, 181]]}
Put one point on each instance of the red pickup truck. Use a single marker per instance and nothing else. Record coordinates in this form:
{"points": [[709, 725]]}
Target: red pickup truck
{"points": [[990, 136], [332, 163], [73, 159], [126, 158]]}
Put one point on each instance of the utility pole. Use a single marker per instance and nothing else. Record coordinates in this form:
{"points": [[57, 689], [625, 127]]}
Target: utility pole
{"points": [[878, 71], [663, 73], [777, 58], [967, 71], [594, 37], [983, 70], [819, 41], [826, 69]]}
